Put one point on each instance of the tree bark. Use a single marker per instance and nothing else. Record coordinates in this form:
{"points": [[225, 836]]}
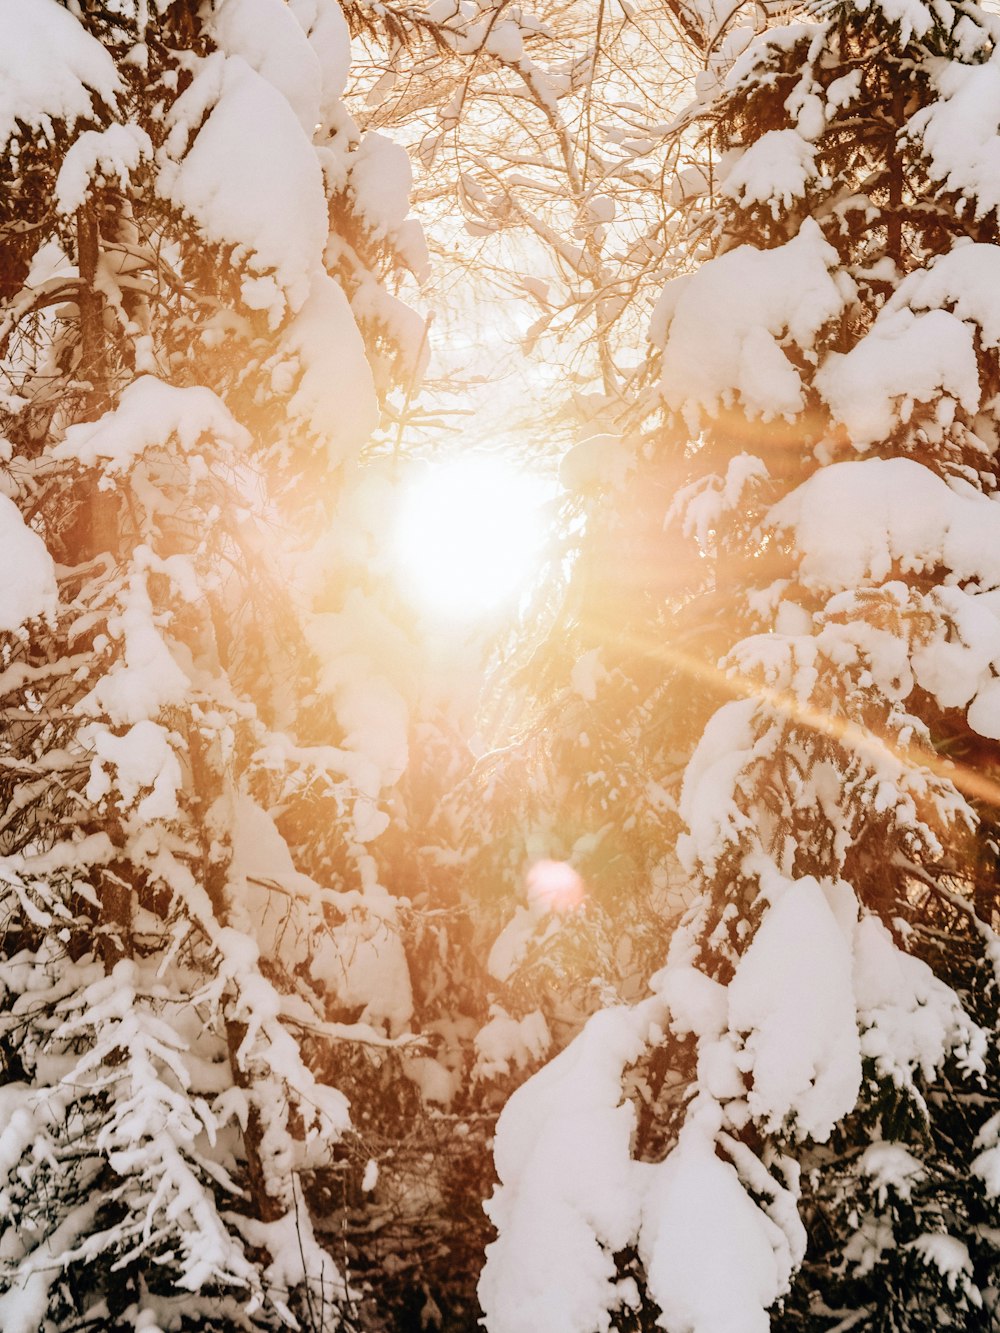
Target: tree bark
{"points": [[101, 527]]}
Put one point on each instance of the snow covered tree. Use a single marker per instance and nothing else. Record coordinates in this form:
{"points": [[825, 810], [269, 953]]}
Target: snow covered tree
{"points": [[195, 328], [798, 1127]]}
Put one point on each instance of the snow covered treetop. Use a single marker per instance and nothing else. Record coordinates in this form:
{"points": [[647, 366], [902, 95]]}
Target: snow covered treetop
{"points": [[816, 227]]}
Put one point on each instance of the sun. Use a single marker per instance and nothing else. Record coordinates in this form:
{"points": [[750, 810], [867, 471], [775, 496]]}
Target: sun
{"points": [[468, 535]]}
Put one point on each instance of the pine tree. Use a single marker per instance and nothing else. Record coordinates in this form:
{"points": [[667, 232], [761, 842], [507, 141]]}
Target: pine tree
{"points": [[192, 254], [820, 1150]]}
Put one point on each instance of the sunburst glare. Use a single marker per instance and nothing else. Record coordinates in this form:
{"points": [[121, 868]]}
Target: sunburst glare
{"points": [[468, 535]]}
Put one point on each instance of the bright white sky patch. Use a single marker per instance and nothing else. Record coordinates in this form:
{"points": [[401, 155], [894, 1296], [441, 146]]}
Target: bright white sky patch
{"points": [[468, 535]]}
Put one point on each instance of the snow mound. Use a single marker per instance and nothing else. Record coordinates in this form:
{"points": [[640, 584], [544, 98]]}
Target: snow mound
{"points": [[335, 392], [249, 177], [901, 514], [699, 1223], [50, 67], [149, 414], [552, 1267], [792, 999], [905, 359], [29, 588], [271, 41], [723, 328]]}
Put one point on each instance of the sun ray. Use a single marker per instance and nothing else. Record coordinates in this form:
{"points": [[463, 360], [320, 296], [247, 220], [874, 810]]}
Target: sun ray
{"points": [[971, 782]]}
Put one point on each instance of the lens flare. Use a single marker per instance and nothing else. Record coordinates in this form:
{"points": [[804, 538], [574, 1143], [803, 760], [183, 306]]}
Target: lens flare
{"points": [[555, 886]]}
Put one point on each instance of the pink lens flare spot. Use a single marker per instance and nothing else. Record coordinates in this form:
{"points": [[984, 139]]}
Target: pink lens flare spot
{"points": [[555, 886]]}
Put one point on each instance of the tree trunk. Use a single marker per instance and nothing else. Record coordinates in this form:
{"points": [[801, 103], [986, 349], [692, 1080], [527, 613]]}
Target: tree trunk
{"points": [[100, 530]]}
